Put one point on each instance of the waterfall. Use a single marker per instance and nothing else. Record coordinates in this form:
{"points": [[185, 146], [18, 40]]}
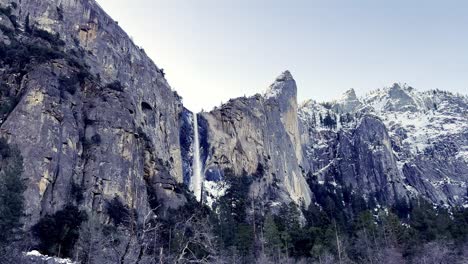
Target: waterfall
{"points": [[197, 178]]}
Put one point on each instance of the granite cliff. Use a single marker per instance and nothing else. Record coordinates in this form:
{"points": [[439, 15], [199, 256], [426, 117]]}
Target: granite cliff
{"points": [[92, 114], [107, 152], [95, 120]]}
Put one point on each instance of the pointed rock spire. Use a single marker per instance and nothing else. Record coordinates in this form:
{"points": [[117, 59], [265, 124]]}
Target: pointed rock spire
{"points": [[284, 86], [286, 75], [350, 94], [348, 102]]}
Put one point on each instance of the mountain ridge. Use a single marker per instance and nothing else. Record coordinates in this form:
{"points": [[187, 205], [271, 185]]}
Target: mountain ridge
{"points": [[106, 150]]}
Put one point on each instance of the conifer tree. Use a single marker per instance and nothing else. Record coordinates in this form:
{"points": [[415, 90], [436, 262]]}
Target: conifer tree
{"points": [[272, 236], [11, 192]]}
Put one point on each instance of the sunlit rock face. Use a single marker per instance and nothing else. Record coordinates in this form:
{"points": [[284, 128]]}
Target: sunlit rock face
{"points": [[104, 140], [259, 135], [123, 132]]}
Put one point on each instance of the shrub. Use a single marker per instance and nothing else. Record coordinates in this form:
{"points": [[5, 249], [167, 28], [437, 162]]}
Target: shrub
{"points": [[96, 139], [18, 56], [77, 192], [8, 101], [329, 121], [60, 13], [5, 10], [53, 39], [7, 31], [59, 232], [119, 213], [116, 86], [14, 20], [11, 192], [5, 150], [143, 135], [68, 84]]}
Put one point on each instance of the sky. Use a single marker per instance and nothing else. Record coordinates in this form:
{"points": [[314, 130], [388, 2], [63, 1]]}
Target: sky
{"points": [[214, 50]]}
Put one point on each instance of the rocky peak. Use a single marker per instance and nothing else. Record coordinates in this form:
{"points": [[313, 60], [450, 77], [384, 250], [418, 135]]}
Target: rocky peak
{"points": [[348, 102], [349, 95], [397, 98], [397, 131], [258, 136], [286, 75], [283, 87]]}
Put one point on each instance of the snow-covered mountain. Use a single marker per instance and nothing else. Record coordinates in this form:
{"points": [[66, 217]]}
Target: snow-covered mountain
{"points": [[420, 150], [389, 145]]}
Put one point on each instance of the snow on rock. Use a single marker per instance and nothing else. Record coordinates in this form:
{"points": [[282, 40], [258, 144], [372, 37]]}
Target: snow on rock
{"points": [[35, 255], [428, 137], [419, 118], [214, 190], [277, 87]]}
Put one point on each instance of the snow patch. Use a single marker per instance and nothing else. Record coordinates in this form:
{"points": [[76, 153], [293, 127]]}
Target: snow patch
{"points": [[214, 190], [36, 255]]}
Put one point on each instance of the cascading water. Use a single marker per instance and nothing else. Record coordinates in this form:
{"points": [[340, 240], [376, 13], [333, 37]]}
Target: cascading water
{"points": [[197, 175]]}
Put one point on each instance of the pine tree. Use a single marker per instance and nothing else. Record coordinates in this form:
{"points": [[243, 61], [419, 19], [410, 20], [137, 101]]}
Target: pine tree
{"points": [[11, 192], [27, 26], [272, 236]]}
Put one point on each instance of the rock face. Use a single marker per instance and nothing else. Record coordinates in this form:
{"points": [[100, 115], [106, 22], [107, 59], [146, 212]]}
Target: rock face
{"points": [[117, 135], [259, 135], [392, 144], [95, 119], [349, 102]]}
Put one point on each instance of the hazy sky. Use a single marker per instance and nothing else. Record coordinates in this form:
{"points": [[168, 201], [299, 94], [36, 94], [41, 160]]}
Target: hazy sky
{"points": [[213, 50]]}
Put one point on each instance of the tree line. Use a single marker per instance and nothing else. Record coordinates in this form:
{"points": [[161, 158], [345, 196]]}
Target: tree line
{"points": [[339, 226]]}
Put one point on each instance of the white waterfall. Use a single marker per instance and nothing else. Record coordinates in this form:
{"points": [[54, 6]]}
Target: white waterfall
{"points": [[197, 175]]}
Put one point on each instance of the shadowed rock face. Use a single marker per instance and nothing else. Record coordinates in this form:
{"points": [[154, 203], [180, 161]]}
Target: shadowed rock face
{"points": [[259, 132], [103, 140]]}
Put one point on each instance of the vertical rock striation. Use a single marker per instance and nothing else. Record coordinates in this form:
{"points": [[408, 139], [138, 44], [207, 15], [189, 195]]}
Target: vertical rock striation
{"points": [[392, 144], [117, 135], [259, 135]]}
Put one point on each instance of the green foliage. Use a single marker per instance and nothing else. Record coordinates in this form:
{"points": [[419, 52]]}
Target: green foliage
{"points": [[233, 229], [429, 222], [53, 39], [115, 86], [69, 83], [7, 31], [27, 50], [8, 100], [93, 141], [329, 121], [59, 232], [272, 236], [18, 56], [292, 235], [459, 226], [120, 214], [5, 10], [76, 192], [11, 192]]}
